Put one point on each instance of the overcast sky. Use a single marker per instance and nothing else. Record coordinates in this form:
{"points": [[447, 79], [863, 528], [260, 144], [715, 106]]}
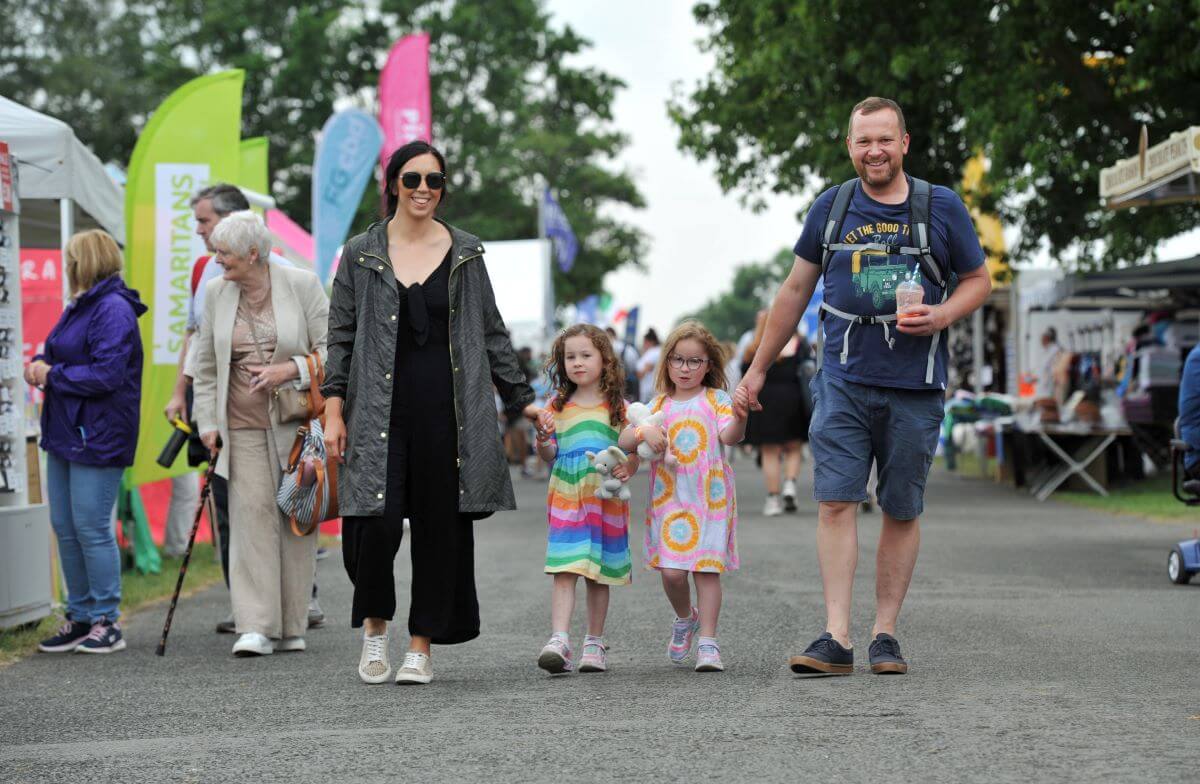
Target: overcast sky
{"points": [[698, 234]]}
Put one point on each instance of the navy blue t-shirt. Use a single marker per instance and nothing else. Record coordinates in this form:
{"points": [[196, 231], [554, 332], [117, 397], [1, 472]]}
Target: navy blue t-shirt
{"points": [[864, 283]]}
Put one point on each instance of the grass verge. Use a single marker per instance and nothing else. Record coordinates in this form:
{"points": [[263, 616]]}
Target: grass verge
{"points": [[137, 591], [1149, 498]]}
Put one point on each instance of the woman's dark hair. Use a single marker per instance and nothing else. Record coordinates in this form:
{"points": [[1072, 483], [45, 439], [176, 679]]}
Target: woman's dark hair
{"points": [[395, 167]]}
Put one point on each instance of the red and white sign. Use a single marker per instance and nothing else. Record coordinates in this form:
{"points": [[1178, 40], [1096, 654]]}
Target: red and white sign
{"points": [[6, 179]]}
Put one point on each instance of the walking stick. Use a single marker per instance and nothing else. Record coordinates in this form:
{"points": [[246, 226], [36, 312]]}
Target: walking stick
{"points": [[187, 554]]}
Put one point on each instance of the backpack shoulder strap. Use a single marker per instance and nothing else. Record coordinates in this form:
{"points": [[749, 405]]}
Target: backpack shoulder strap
{"points": [[833, 223], [920, 203]]}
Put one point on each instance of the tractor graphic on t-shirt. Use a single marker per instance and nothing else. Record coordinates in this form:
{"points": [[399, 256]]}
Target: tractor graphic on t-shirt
{"points": [[874, 275]]}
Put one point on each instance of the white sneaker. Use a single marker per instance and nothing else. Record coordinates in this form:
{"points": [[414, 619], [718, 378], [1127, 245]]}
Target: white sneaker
{"points": [[291, 644], [253, 644], [789, 495], [416, 669], [373, 665], [773, 506]]}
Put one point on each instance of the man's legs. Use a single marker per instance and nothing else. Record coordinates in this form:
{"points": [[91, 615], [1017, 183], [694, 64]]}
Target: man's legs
{"points": [[837, 553], [899, 542]]}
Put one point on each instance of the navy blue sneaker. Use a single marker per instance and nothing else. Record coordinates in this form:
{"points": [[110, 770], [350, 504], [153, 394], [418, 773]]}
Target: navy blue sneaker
{"points": [[825, 656], [105, 637], [67, 638], [885, 656]]}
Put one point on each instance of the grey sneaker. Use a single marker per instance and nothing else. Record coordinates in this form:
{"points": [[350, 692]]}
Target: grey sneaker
{"points": [[316, 617], [373, 666], [416, 669], [789, 495], [773, 506]]}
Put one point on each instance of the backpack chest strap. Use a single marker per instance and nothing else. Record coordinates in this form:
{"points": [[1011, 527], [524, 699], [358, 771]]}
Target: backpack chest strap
{"points": [[853, 319]]}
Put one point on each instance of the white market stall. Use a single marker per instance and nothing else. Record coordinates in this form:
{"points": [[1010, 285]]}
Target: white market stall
{"points": [[60, 187]]}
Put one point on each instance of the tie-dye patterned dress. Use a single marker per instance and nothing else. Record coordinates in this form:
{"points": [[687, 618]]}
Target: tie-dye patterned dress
{"points": [[587, 536], [691, 523]]}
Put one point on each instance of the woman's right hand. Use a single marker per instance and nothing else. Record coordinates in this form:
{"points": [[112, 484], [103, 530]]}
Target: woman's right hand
{"points": [[335, 438], [209, 440]]}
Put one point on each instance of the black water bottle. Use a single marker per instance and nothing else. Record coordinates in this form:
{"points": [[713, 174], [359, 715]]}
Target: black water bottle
{"points": [[179, 437]]}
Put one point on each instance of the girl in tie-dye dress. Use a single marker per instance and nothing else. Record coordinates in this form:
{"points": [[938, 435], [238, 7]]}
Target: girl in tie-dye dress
{"points": [[691, 525], [588, 535]]}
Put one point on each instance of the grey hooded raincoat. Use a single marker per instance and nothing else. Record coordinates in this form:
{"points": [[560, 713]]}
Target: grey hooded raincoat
{"points": [[362, 349]]}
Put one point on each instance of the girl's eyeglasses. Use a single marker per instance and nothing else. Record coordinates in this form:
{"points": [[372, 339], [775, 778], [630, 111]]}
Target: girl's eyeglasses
{"points": [[412, 180], [692, 363]]}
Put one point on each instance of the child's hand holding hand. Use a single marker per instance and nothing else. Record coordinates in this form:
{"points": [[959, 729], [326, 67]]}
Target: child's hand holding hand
{"points": [[741, 403], [626, 470], [545, 422]]}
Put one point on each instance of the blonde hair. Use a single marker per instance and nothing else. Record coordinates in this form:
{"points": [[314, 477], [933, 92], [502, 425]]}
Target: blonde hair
{"points": [[92, 256], [691, 329]]}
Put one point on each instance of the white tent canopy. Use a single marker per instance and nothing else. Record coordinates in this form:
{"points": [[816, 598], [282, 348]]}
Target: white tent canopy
{"points": [[54, 165]]}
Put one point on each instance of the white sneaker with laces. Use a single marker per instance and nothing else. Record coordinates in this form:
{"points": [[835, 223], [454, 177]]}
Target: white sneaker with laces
{"points": [[417, 669], [253, 644], [773, 506], [373, 665], [789, 495]]}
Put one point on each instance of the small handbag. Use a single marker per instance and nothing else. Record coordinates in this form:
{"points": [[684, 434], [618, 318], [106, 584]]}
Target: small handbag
{"points": [[307, 507], [291, 404], [302, 405]]}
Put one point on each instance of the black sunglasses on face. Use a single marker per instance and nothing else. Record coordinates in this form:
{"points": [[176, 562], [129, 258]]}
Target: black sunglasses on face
{"points": [[412, 180]]}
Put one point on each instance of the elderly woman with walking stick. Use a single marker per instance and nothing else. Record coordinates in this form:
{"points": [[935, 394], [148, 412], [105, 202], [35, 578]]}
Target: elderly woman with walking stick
{"points": [[416, 345], [261, 323]]}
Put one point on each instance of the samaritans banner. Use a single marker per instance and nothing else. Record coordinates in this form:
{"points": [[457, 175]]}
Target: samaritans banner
{"points": [[192, 140], [253, 173]]}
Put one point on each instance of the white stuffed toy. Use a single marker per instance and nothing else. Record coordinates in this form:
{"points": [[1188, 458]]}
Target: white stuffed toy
{"points": [[605, 462], [639, 415]]}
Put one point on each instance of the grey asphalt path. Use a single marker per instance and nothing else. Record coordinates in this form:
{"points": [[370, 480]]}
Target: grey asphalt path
{"points": [[1045, 643]]}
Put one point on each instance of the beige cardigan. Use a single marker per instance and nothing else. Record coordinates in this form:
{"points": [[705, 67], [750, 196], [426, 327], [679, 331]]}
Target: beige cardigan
{"points": [[301, 321]]}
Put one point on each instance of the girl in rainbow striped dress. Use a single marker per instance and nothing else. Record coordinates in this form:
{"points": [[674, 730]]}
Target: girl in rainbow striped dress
{"points": [[589, 535]]}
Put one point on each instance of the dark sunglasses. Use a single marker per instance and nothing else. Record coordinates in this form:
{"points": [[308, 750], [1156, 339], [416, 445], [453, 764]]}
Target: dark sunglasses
{"points": [[412, 180]]}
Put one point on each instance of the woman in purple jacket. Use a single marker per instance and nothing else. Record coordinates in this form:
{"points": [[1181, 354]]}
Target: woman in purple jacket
{"points": [[91, 372]]}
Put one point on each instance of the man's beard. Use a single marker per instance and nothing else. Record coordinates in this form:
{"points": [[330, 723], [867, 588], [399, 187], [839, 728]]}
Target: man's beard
{"points": [[878, 179]]}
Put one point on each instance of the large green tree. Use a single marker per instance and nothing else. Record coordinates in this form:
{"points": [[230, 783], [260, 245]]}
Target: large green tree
{"points": [[730, 314], [1051, 91], [509, 108]]}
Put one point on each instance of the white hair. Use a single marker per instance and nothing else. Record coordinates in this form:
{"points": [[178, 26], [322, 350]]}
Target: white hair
{"points": [[240, 231]]}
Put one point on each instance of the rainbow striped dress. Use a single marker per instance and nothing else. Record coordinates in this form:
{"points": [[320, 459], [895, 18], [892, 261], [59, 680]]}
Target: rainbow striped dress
{"points": [[587, 536]]}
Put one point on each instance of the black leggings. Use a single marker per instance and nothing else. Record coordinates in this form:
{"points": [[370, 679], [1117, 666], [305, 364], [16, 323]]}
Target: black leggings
{"points": [[444, 604]]}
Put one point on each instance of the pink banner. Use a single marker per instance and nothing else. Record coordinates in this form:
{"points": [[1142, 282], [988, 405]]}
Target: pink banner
{"points": [[291, 234], [41, 303], [405, 113]]}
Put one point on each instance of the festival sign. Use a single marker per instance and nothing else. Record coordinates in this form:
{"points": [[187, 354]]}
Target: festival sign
{"points": [[191, 141], [405, 112], [345, 157]]}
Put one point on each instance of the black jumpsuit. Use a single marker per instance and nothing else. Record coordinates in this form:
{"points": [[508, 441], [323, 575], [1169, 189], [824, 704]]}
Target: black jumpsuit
{"points": [[422, 484]]}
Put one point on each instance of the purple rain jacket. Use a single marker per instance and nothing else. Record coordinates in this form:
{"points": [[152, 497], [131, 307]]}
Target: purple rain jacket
{"points": [[94, 388]]}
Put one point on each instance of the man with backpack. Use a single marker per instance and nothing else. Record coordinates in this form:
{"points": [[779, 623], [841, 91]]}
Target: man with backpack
{"points": [[879, 393]]}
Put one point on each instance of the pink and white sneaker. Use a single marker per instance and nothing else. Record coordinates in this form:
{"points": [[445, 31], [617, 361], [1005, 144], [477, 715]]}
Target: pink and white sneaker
{"points": [[683, 631], [708, 656], [595, 656], [555, 657]]}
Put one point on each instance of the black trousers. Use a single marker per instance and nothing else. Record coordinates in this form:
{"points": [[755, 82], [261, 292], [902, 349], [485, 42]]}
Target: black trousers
{"points": [[444, 606]]}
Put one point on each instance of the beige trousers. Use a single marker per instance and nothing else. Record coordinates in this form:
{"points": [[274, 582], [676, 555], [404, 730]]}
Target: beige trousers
{"points": [[270, 568]]}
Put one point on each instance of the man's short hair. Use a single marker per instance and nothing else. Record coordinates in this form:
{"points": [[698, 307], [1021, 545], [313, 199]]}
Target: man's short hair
{"points": [[875, 104], [1050, 334], [225, 198]]}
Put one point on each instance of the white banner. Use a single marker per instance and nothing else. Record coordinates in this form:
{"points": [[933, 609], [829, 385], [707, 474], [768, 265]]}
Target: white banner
{"points": [[176, 248]]}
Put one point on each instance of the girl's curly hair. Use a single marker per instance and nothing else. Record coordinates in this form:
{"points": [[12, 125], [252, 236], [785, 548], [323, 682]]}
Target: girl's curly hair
{"points": [[612, 374]]}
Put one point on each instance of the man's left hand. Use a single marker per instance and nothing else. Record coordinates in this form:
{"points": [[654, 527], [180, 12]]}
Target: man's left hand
{"points": [[923, 321]]}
